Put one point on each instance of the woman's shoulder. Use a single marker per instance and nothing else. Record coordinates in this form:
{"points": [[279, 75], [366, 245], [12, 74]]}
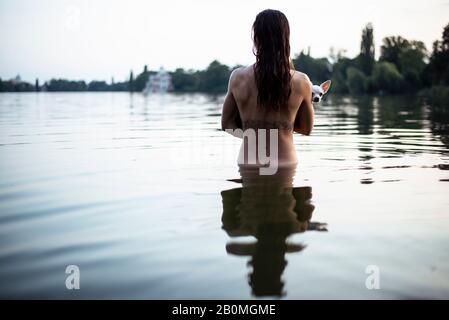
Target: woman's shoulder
{"points": [[300, 76], [301, 81], [241, 77], [242, 72]]}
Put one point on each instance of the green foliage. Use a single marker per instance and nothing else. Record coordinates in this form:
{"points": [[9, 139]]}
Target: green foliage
{"points": [[339, 74], [438, 95], [140, 81], [65, 85], [401, 67], [318, 70], [185, 81], [215, 78], [357, 81], [97, 86], [408, 57], [212, 80], [57, 85], [119, 86], [131, 82], [412, 65], [365, 60], [386, 78], [392, 47], [437, 71], [11, 86]]}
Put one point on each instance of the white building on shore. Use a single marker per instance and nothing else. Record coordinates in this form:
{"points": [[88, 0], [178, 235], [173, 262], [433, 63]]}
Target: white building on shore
{"points": [[159, 82]]}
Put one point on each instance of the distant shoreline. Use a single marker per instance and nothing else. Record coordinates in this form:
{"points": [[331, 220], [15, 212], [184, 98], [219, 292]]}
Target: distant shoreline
{"points": [[403, 67]]}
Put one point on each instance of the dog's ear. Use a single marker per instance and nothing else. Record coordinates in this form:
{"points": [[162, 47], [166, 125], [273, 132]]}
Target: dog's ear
{"points": [[325, 86]]}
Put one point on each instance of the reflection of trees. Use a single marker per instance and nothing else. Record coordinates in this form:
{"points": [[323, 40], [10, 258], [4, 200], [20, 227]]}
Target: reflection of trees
{"points": [[365, 123], [365, 115], [439, 123], [270, 210], [400, 112]]}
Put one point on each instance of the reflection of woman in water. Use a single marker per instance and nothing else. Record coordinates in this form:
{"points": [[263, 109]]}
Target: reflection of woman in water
{"points": [[270, 209]]}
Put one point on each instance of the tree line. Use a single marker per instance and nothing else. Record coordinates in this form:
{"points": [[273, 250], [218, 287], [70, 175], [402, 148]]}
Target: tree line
{"points": [[404, 67]]}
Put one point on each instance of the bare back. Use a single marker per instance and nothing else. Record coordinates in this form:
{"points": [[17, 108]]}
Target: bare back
{"points": [[241, 103], [245, 94]]}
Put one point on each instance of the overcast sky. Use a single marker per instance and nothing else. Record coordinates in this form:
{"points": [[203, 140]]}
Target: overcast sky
{"points": [[100, 39]]}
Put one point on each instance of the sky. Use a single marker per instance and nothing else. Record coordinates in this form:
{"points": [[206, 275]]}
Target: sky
{"points": [[101, 39]]}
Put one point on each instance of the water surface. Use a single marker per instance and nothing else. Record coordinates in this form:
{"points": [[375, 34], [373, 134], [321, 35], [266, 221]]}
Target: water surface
{"points": [[145, 197]]}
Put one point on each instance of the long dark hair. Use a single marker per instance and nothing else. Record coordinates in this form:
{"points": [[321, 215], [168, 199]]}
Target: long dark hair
{"points": [[271, 36]]}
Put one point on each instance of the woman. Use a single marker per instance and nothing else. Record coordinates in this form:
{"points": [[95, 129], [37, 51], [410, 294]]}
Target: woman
{"points": [[269, 94]]}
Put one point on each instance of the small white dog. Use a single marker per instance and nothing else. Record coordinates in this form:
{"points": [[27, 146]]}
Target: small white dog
{"points": [[319, 91]]}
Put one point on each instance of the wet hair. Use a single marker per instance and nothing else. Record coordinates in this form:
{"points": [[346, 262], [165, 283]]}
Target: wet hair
{"points": [[271, 36]]}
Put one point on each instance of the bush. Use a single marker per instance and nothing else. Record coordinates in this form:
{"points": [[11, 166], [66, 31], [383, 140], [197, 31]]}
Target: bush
{"points": [[184, 81], [318, 70], [215, 78], [438, 95], [339, 85], [357, 81], [66, 85], [97, 86], [339, 73], [387, 78]]}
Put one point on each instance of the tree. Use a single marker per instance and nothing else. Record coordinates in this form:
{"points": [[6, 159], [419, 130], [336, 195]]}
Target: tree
{"points": [[367, 50], [445, 41], [391, 48], [215, 78], [131, 82], [357, 81], [184, 81], [97, 86], [339, 75], [408, 57], [318, 70], [66, 85], [437, 71], [141, 80], [412, 65], [387, 78]]}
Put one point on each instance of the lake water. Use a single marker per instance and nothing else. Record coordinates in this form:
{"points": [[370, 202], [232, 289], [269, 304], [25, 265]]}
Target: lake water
{"points": [[144, 196]]}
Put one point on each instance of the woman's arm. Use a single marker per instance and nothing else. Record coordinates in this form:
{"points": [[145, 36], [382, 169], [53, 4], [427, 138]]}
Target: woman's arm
{"points": [[230, 116], [305, 115]]}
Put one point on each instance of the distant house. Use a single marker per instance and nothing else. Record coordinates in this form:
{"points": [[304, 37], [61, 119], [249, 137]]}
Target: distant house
{"points": [[159, 82], [16, 80]]}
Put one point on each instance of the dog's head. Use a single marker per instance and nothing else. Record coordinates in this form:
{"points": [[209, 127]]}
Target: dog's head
{"points": [[319, 91]]}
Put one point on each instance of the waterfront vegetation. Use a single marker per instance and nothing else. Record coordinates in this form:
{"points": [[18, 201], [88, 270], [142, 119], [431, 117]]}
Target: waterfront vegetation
{"points": [[404, 67]]}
